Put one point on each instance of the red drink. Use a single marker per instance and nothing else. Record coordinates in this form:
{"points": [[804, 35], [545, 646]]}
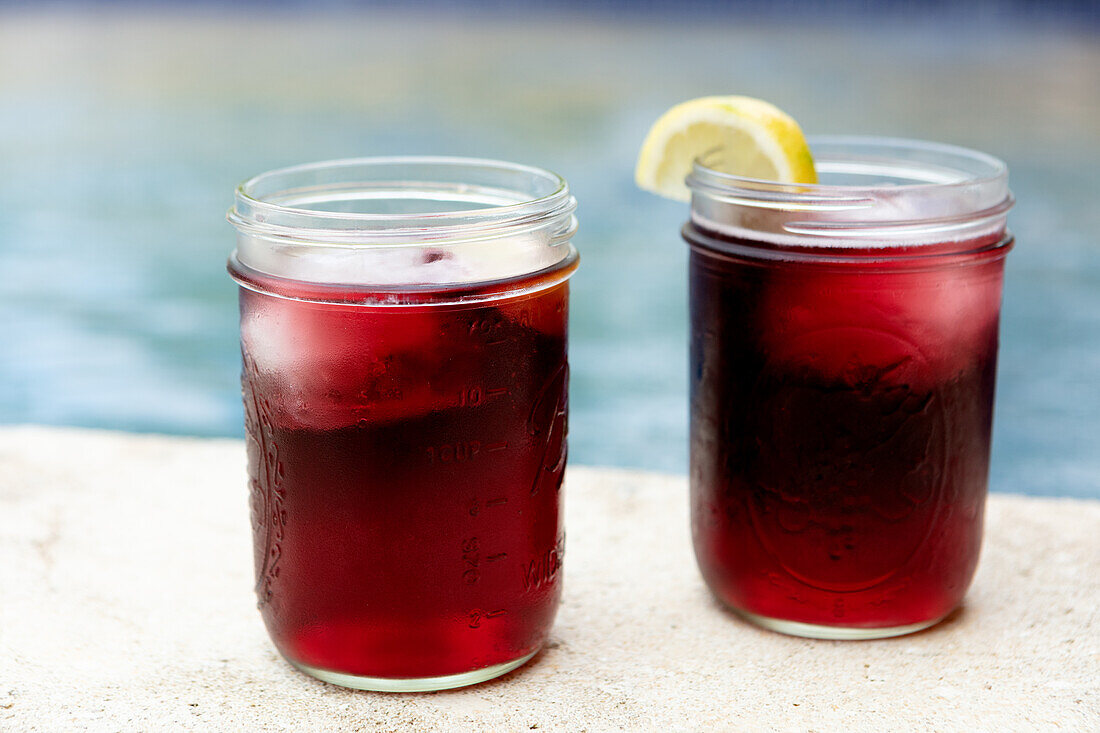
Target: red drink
{"points": [[406, 447], [845, 479], [841, 402], [406, 486]]}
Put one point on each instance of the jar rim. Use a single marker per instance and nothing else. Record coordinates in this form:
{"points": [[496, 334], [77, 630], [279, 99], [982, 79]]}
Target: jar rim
{"points": [[877, 192], [970, 167], [476, 197]]}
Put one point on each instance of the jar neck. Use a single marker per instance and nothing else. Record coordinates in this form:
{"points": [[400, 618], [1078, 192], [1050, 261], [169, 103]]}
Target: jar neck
{"points": [[878, 195], [393, 223], [404, 295]]}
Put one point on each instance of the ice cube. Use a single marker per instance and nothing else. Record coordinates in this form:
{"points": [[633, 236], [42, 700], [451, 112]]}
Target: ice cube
{"points": [[837, 322], [327, 366], [417, 263]]}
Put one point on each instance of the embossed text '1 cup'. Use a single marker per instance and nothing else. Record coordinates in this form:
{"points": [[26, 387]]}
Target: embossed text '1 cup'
{"points": [[843, 352], [403, 331]]}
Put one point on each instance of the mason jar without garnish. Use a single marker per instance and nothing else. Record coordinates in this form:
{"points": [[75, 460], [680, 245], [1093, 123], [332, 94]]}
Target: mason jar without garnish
{"points": [[405, 382]]}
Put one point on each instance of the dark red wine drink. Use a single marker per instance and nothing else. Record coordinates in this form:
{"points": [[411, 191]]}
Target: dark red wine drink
{"points": [[405, 405], [843, 354]]}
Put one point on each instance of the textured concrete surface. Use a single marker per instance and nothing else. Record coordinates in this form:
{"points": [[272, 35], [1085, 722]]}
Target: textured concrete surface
{"points": [[126, 604]]}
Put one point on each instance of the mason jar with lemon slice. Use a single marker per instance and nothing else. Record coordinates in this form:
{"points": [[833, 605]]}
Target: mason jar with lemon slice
{"points": [[844, 327]]}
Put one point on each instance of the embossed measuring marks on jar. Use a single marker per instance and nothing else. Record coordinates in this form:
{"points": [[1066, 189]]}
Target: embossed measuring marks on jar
{"points": [[469, 448], [477, 560], [410, 366], [504, 430], [441, 491], [422, 453]]}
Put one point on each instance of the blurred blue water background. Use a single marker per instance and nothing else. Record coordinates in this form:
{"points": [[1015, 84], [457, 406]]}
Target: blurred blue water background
{"points": [[124, 128]]}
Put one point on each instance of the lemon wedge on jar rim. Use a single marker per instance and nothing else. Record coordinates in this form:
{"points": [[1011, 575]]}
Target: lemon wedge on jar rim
{"points": [[756, 139]]}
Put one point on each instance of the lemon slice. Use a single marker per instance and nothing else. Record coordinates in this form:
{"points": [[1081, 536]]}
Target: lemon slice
{"points": [[757, 140]]}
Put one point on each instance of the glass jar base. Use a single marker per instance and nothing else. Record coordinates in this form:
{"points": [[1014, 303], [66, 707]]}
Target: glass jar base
{"points": [[413, 684], [834, 633]]}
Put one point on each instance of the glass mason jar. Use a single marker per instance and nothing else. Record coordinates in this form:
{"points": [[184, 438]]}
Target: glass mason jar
{"points": [[843, 353], [403, 332]]}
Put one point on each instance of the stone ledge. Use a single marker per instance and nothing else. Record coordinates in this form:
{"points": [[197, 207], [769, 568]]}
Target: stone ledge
{"points": [[125, 604]]}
